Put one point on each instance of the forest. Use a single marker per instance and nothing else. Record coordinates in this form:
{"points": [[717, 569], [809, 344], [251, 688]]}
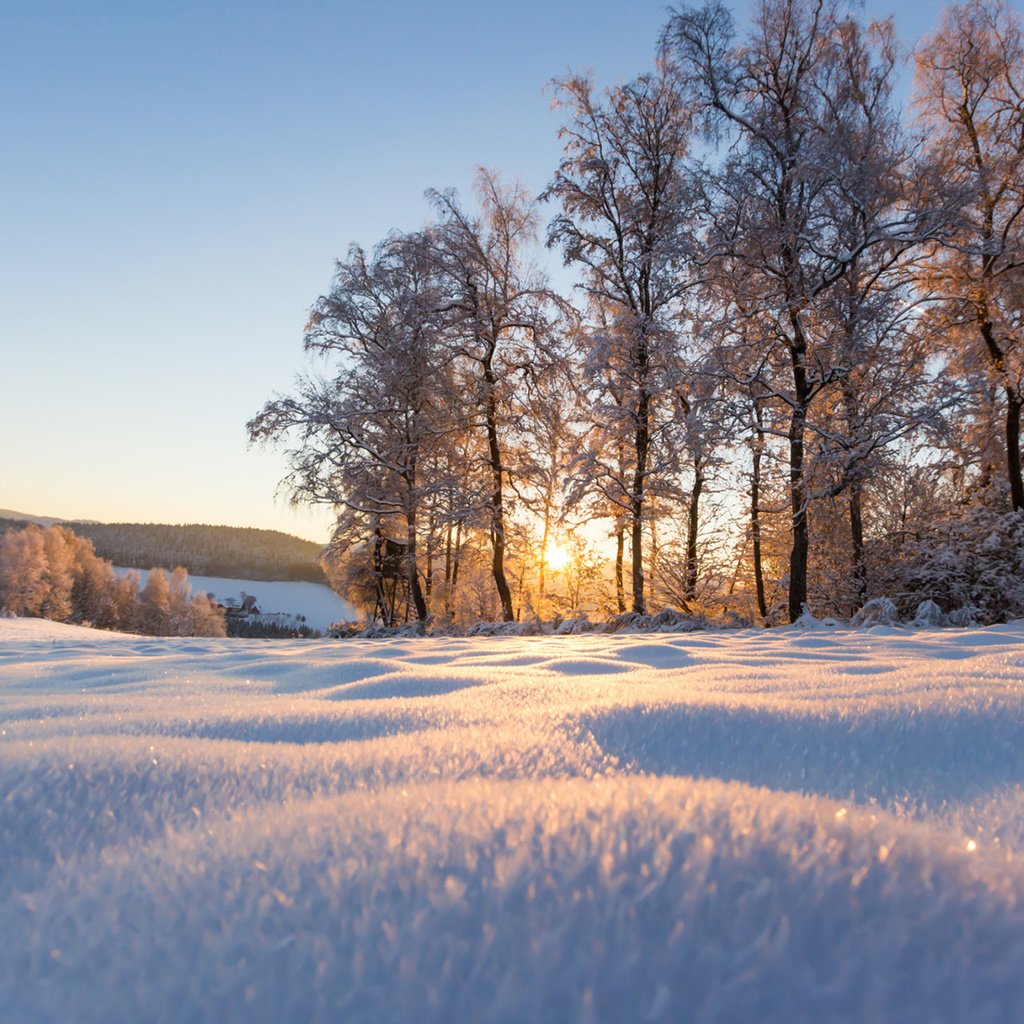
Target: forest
{"points": [[234, 552], [787, 378], [51, 573]]}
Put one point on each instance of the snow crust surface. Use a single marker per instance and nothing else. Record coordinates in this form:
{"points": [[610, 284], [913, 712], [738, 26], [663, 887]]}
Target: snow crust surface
{"points": [[820, 825]]}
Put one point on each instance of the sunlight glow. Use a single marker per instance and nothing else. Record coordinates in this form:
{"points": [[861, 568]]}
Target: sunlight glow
{"points": [[556, 556]]}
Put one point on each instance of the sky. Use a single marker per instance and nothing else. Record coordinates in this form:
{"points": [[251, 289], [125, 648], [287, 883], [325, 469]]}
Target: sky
{"points": [[176, 181]]}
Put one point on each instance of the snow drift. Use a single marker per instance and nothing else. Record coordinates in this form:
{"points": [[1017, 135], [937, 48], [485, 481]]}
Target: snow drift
{"points": [[730, 827]]}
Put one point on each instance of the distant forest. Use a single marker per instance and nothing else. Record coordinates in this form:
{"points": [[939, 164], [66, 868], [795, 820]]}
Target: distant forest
{"points": [[230, 551]]}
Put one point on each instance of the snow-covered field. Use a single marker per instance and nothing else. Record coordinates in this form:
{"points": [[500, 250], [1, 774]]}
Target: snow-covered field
{"points": [[320, 605], [785, 826]]}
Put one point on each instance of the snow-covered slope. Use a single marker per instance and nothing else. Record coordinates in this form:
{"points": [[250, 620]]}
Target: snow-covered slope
{"points": [[320, 605], [47, 631], [778, 826]]}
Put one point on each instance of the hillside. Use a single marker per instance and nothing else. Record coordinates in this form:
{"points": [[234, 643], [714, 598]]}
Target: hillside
{"points": [[224, 551], [25, 517]]}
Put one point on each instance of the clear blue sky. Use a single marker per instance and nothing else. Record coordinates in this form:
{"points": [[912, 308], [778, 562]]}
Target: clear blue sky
{"points": [[176, 180]]}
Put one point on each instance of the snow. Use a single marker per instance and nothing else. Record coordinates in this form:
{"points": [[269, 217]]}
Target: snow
{"points": [[723, 826], [320, 605]]}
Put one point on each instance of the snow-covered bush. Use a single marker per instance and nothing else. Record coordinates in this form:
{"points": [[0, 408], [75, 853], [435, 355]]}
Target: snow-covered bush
{"points": [[809, 621], [671, 619], [879, 611], [963, 617], [529, 628], [928, 615], [972, 565], [574, 626], [628, 620]]}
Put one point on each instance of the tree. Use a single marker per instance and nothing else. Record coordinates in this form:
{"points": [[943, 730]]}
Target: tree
{"points": [[498, 310], [623, 190], [205, 618], [365, 433], [125, 597], [93, 594], [970, 97], [59, 575], [553, 406], [23, 584], [802, 102], [155, 604]]}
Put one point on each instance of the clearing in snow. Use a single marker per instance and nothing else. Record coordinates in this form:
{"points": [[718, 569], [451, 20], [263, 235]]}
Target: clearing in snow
{"points": [[790, 825]]}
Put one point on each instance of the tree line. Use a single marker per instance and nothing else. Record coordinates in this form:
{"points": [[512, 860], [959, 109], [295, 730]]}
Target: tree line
{"points": [[53, 574], [789, 378], [233, 552]]}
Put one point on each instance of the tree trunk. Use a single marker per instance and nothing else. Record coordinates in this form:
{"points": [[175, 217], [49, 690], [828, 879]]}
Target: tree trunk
{"points": [[860, 573], [755, 515], [428, 575], [690, 584], [797, 480], [411, 568], [798, 504], [543, 558], [1014, 400], [642, 441], [620, 590], [549, 503], [418, 601], [497, 501], [447, 570], [456, 559], [1014, 403], [651, 576], [636, 547], [378, 577]]}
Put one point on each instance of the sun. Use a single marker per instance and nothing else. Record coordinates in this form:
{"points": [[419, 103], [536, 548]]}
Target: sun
{"points": [[556, 555]]}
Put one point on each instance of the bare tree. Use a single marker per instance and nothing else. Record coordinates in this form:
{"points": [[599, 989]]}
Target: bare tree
{"points": [[498, 327], [787, 196], [625, 203], [362, 435], [970, 97]]}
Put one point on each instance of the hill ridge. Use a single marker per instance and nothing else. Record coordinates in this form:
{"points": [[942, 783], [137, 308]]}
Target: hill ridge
{"points": [[244, 552]]}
